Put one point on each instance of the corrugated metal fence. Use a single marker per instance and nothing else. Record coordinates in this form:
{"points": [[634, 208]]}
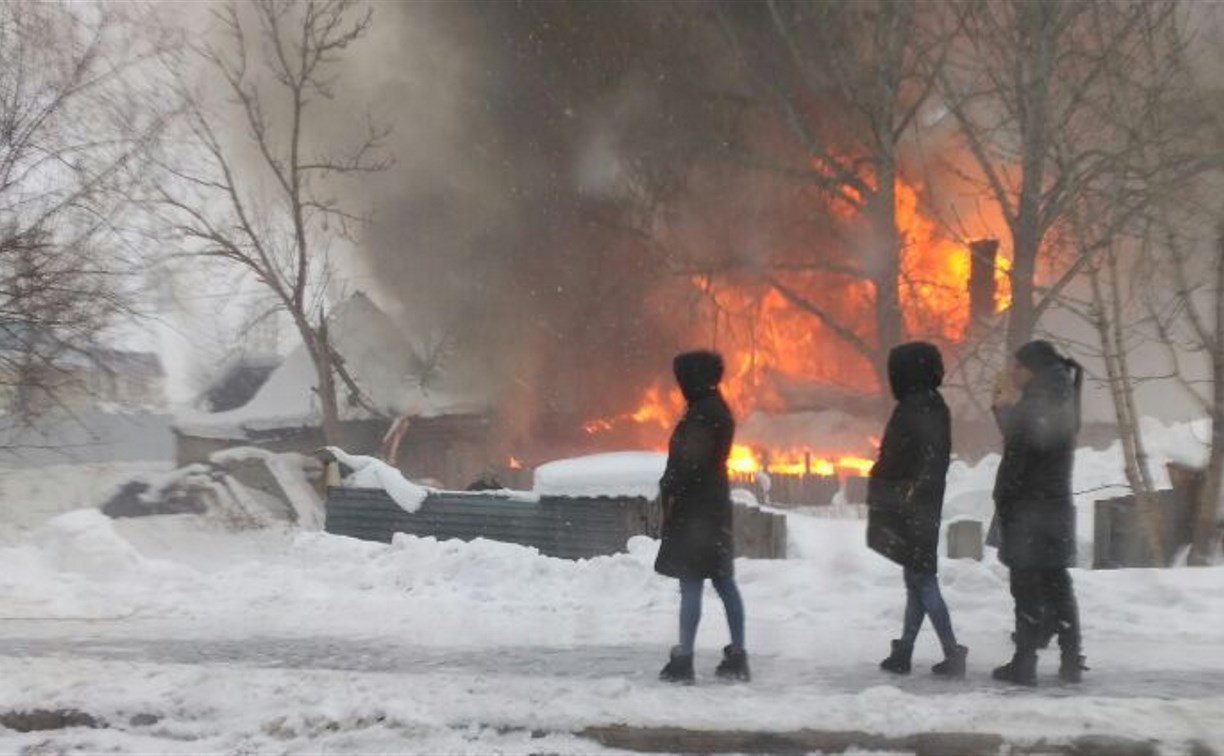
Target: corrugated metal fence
{"points": [[565, 527]]}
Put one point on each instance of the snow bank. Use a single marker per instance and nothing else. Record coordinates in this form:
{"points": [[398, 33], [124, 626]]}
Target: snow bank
{"points": [[289, 471], [612, 474], [31, 496], [85, 542], [77, 566], [492, 634], [269, 637], [369, 472]]}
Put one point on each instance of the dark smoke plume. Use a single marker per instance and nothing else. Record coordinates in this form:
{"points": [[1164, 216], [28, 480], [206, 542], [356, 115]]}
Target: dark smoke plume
{"points": [[537, 144]]}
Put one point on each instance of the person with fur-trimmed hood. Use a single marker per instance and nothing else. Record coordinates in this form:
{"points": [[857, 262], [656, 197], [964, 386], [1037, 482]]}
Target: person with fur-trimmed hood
{"points": [[905, 497], [697, 539], [1035, 510]]}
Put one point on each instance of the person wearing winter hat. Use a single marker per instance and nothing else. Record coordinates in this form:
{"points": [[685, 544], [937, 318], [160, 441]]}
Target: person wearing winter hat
{"points": [[697, 540], [1034, 509], [905, 497]]}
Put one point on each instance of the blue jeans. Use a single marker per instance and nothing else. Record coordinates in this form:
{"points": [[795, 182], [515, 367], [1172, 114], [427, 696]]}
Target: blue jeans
{"points": [[690, 610], [923, 599]]}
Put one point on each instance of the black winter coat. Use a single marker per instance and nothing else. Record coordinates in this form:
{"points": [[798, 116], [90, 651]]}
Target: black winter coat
{"points": [[906, 488], [697, 538], [1034, 506]]}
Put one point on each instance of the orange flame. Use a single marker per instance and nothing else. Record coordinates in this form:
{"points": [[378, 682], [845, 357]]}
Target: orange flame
{"points": [[770, 341], [745, 460]]}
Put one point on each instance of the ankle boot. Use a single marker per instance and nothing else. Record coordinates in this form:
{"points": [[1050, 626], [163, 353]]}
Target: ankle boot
{"points": [[1021, 670], [734, 665], [953, 665], [679, 668], [898, 662], [1072, 668]]}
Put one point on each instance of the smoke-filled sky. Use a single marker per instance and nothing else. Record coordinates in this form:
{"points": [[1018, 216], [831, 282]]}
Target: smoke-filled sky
{"points": [[502, 225], [557, 165]]}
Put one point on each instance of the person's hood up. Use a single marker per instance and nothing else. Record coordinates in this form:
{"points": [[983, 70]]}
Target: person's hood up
{"points": [[914, 367], [698, 373], [1054, 376], [1053, 380]]}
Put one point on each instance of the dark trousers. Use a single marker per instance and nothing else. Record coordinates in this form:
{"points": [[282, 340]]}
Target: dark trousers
{"points": [[923, 599], [1045, 607]]}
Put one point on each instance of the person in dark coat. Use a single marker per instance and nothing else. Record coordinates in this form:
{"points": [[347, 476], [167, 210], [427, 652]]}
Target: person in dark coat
{"points": [[905, 495], [1035, 511], [697, 539]]}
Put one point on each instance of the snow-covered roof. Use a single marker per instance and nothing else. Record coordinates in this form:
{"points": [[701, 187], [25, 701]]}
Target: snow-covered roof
{"points": [[376, 354]]}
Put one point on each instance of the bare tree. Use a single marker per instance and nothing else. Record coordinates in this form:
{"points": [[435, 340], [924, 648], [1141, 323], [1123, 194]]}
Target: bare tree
{"points": [[848, 79], [261, 192], [76, 131], [1141, 119], [1028, 86]]}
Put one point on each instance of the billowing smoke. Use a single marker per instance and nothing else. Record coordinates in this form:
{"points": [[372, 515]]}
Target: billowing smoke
{"points": [[515, 230]]}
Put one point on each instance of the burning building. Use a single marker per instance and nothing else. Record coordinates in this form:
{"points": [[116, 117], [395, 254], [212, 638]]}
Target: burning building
{"points": [[588, 208]]}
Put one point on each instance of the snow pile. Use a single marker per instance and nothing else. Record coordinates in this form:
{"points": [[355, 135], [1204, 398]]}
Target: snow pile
{"points": [[276, 639], [370, 472], [31, 496], [612, 474], [289, 471], [85, 542], [78, 566]]}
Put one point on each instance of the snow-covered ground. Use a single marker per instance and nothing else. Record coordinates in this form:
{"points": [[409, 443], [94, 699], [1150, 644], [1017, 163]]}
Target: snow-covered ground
{"points": [[186, 637]]}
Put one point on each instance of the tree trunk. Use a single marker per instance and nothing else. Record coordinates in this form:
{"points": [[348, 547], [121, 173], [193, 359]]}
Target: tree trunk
{"points": [[890, 325], [333, 432], [1204, 548], [1108, 324], [1037, 26], [318, 346], [1022, 318]]}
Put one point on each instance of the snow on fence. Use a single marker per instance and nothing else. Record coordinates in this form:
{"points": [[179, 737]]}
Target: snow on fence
{"points": [[564, 527]]}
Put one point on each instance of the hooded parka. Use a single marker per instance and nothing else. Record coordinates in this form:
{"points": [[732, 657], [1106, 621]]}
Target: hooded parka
{"points": [[906, 488], [697, 540]]}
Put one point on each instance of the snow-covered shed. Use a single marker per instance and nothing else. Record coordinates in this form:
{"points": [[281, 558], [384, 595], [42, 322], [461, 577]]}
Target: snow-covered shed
{"points": [[447, 437]]}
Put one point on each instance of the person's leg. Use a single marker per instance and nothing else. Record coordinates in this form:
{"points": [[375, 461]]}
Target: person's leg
{"points": [[914, 610], [1027, 591], [927, 585], [733, 603], [1065, 610], [690, 613], [679, 667], [955, 655], [898, 661], [734, 664]]}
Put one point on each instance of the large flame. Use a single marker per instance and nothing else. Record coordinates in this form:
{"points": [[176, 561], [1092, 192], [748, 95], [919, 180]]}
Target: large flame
{"points": [[769, 341], [745, 460]]}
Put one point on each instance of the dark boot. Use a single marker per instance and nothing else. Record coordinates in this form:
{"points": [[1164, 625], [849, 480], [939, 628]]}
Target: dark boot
{"points": [[1072, 668], [734, 665], [1021, 670], [679, 668], [953, 665], [898, 662]]}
